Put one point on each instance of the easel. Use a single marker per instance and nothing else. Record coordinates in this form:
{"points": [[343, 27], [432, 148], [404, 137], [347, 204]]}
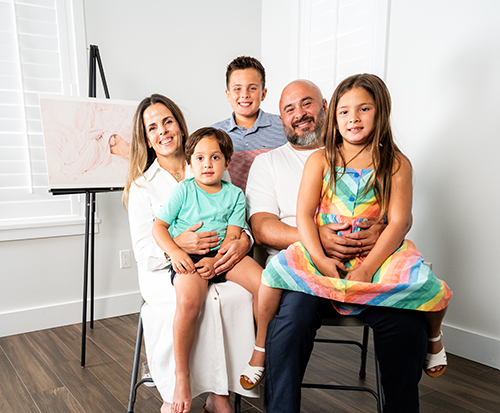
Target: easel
{"points": [[90, 203]]}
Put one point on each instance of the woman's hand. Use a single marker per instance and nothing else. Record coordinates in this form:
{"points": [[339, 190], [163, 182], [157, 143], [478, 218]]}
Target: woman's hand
{"points": [[232, 254], [197, 242]]}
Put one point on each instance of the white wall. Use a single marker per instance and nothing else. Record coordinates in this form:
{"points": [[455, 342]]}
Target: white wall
{"points": [[180, 49], [443, 73]]}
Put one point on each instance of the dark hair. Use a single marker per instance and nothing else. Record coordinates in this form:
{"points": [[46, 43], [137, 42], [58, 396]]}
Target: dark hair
{"points": [[222, 138], [383, 148], [246, 62], [141, 155]]}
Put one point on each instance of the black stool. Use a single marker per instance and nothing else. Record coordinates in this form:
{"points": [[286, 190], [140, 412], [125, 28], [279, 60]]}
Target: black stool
{"points": [[343, 321], [134, 384]]}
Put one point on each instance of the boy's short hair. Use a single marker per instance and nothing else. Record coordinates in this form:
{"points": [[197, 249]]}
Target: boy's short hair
{"points": [[245, 62], [222, 138]]}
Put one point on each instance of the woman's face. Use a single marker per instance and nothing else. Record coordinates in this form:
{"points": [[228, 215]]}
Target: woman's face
{"points": [[162, 131]]}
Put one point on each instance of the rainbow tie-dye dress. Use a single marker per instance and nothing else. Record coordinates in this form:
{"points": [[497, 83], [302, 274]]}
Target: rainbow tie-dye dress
{"points": [[403, 281]]}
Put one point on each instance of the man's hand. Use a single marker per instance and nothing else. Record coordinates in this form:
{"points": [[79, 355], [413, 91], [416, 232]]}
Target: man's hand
{"points": [[336, 246], [369, 236], [344, 248]]}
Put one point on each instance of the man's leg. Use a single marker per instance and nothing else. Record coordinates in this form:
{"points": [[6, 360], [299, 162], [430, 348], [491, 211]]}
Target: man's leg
{"points": [[289, 343], [400, 338]]}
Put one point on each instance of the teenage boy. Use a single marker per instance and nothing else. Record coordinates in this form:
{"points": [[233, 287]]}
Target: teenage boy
{"points": [[252, 130]]}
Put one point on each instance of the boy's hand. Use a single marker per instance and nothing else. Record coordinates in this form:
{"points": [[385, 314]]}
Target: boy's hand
{"points": [[205, 267], [182, 262]]}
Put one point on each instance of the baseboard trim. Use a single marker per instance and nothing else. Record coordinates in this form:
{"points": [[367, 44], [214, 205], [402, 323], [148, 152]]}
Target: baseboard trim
{"points": [[57, 315], [472, 346]]}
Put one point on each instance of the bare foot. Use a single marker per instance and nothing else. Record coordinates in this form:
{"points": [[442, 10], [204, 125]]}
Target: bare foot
{"points": [[258, 360], [182, 394], [218, 404]]}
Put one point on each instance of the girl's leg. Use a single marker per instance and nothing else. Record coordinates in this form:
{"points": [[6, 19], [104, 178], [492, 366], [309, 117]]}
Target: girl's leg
{"points": [[166, 408], [190, 291], [435, 319]]}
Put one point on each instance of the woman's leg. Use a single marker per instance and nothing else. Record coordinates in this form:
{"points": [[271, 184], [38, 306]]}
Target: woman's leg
{"points": [[190, 291], [218, 403], [435, 319]]}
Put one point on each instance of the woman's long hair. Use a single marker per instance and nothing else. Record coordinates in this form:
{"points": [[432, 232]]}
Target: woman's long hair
{"points": [[141, 155], [383, 149]]}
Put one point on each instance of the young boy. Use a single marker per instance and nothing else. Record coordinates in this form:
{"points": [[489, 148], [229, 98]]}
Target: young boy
{"points": [[252, 130], [221, 207]]}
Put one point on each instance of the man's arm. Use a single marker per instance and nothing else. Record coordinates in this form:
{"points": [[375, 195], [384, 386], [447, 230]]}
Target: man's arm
{"points": [[269, 231]]}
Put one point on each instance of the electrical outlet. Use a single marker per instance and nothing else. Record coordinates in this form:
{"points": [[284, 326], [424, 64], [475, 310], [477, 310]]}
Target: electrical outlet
{"points": [[125, 259], [429, 264]]}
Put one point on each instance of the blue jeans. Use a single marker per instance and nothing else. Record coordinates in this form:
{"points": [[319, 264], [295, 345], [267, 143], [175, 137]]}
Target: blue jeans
{"points": [[400, 338]]}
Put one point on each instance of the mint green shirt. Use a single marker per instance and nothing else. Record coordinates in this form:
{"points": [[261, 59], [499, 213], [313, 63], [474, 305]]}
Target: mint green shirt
{"points": [[188, 204]]}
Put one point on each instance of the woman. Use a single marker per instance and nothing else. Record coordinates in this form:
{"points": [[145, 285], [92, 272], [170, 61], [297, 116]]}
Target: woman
{"points": [[225, 328]]}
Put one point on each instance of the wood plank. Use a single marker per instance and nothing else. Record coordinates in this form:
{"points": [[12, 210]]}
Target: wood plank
{"points": [[58, 400], [33, 370], [89, 391], [14, 397]]}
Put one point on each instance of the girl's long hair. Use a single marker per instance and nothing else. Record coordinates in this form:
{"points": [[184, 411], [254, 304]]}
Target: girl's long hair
{"points": [[383, 149], [141, 155]]}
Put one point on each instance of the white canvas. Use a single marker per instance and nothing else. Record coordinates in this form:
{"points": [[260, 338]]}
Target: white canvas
{"points": [[87, 141]]}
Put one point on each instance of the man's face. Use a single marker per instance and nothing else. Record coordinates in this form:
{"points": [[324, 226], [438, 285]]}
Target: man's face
{"points": [[303, 111]]}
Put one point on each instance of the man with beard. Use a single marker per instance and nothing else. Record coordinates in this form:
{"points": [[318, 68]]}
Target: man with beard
{"points": [[272, 188]]}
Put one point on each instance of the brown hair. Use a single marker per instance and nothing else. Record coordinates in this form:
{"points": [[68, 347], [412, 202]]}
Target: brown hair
{"points": [[383, 148], [141, 155], [245, 62], [222, 138]]}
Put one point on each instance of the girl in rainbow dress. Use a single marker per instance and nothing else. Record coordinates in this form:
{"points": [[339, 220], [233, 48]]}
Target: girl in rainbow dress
{"points": [[359, 175]]}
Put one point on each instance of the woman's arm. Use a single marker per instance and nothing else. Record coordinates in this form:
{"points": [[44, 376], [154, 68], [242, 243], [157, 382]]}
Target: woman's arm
{"points": [[307, 203], [399, 223]]}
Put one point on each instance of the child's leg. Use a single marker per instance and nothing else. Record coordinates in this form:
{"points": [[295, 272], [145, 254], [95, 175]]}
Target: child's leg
{"points": [[190, 291], [247, 273], [435, 319]]}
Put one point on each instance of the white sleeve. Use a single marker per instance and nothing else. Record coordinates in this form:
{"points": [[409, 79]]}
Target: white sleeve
{"points": [[261, 187], [148, 255]]}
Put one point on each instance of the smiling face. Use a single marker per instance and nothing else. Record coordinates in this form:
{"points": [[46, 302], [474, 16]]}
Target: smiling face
{"points": [[303, 111], [244, 93], [162, 131], [208, 164], [356, 116]]}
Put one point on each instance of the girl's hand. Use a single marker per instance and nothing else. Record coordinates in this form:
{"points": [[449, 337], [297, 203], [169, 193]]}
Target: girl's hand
{"points": [[182, 262], [359, 274], [232, 254], [205, 267], [328, 267], [197, 242]]}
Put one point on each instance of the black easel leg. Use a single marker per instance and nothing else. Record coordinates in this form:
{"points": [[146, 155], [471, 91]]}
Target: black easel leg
{"points": [[92, 240], [101, 71], [92, 86], [85, 277]]}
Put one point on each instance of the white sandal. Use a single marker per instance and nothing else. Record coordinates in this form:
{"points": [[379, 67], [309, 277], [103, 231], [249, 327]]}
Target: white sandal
{"points": [[434, 360], [254, 373]]}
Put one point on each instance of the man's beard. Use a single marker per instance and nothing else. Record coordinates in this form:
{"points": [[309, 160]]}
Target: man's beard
{"points": [[307, 139]]}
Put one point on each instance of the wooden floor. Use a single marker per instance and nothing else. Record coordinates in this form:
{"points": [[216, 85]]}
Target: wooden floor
{"points": [[40, 372]]}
